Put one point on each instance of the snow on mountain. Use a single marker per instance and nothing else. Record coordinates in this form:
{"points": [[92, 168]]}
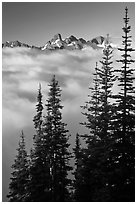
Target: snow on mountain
{"points": [[70, 43], [16, 43]]}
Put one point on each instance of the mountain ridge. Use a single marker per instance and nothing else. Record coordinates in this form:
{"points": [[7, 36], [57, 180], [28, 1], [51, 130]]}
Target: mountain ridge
{"points": [[69, 43]]}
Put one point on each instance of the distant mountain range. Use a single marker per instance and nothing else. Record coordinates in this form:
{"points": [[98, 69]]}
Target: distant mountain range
{"points": [[69, 43]]}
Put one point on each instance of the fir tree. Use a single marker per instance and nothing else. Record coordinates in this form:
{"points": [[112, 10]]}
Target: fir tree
{"points": [[91, 109], [38, 186], [99, 112], [102, 147], [106, 79], [18, 185], [83, 173], [124, 151], [126, 97], [58, 154], [77, 173]]}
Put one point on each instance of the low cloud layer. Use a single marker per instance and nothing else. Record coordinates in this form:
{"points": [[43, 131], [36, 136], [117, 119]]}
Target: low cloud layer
{"points": [[23, 69]]}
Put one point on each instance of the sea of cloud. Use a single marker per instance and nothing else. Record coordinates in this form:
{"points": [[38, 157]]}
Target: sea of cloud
{"points": [[23, 69]]}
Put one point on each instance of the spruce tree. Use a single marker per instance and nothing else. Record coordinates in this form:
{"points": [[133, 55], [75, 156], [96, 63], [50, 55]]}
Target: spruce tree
{"points": [[78, 188], [124, 150], [99, 112], [91, 109], [126, 97], [38, 186], [18, 185], [84, 172], [106, 130], [58, 154], [106, 79]]}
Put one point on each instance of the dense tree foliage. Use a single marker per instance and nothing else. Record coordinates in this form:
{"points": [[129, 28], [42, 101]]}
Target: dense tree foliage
{"points": [[19, 179], [124, 149], [54, 129], [99, 113], [38, 186], [107, 164]]}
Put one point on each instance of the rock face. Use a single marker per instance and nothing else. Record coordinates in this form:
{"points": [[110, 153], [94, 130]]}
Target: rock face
{"points": [[98, 40], [16, 43], [56, 37], [69, 43]]}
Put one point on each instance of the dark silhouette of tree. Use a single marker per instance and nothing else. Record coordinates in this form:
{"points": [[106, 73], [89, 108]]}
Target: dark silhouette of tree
{"points": [[124, 151], [106, 80], [78, 187], [58, 154], [99, 112], [91, 109], [126, 97], [19, 179], [38, 186]]}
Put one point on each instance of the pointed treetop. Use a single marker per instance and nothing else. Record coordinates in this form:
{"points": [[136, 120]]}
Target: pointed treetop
{"points": [[126, 19], [21, 137], [40, 86], [53, 78], [22, 133], [54, 81], [107, 42], [126, 9]]}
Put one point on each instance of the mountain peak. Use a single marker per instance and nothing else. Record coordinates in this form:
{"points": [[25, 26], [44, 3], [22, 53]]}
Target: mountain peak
{"points": [[73, 38], [69, 43], [57, 37]]}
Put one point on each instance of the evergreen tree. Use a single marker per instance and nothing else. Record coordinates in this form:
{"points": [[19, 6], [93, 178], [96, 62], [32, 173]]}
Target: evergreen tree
{"points": [[91, 109], [106, 130], [85, 164], [106, 80], [38, 186], [99, 112], [77, 173], [126, 97], [58, 154], [19, 180], [124, 151]]}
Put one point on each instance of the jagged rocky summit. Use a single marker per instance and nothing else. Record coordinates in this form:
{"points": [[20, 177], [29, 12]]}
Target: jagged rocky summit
{"points": [[69, 43]]}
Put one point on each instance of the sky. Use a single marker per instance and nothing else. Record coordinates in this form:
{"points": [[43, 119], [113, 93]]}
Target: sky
{"points": [[23, 69], [36, 23]]}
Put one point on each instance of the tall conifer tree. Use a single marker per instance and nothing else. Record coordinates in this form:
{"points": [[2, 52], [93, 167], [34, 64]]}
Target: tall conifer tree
{"points": [[84, 174], [106, 80], [54, 129], [38, 186], [124, 150], [91, 109], [99, 113], [18, 185]]}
